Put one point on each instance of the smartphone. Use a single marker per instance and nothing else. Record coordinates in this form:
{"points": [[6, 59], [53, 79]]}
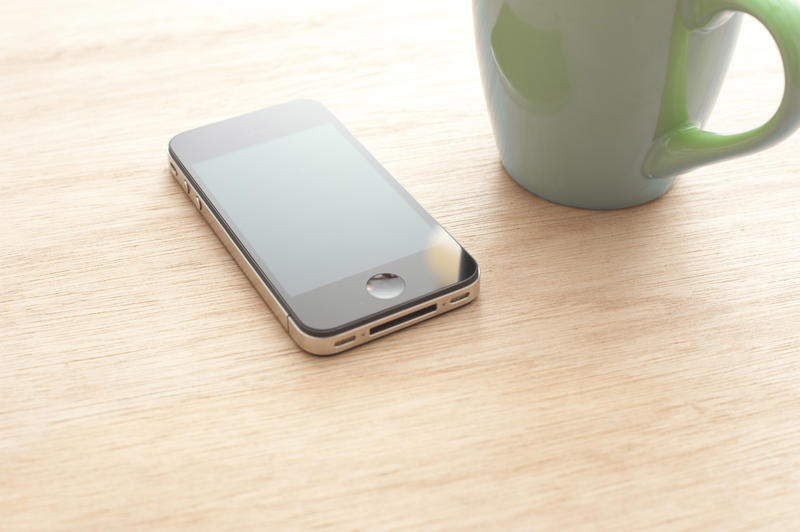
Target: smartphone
{"points": [[340, 252]]}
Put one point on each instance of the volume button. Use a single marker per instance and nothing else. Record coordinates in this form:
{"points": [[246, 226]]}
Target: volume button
{"points": [[198, 202]]}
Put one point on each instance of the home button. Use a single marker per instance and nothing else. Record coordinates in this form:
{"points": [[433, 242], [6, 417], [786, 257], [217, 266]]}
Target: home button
{"points": [[385, 285]]}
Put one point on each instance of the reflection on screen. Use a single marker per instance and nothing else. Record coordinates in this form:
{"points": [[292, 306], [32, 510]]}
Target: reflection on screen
{"points": [[312, 209]]}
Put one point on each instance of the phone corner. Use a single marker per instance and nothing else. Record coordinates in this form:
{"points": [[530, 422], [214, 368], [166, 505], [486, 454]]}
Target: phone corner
{"points": [[314, 345], [173, 143]]}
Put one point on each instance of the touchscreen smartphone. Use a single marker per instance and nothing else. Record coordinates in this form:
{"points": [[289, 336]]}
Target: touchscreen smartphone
{"points": [[338, 249]]}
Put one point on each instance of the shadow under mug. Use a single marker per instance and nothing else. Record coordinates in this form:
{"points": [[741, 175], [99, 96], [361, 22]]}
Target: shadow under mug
{"points": [[600, 104]]}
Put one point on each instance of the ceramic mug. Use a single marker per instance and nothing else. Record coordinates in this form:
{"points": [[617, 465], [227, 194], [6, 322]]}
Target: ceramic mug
{"points": [[600, 103]]}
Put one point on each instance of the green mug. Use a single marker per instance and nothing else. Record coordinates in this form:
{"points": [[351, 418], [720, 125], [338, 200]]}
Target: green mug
{"points": [[600, 103]]}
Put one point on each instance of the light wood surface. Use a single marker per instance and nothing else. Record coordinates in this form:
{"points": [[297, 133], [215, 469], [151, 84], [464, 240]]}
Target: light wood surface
{"points": [[637, 369]]}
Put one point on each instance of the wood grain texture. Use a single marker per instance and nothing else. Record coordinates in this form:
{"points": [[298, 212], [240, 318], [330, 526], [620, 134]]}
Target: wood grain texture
{"points": [[637, 369]]}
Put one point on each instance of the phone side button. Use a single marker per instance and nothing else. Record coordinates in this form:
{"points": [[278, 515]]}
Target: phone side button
{"points": [[198, 202]]}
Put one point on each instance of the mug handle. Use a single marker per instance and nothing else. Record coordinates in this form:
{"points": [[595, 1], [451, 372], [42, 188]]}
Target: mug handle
{"points": [[688, 146]]}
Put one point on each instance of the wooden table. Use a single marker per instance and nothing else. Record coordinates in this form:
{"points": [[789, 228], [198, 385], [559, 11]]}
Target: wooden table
{"points": [[637, 369]]}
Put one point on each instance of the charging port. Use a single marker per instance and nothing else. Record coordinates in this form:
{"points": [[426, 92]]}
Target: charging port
{"points": [[402, 319]]}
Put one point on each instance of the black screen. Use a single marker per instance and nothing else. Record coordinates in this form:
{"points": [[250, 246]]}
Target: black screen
{"points": [[312, 208]]}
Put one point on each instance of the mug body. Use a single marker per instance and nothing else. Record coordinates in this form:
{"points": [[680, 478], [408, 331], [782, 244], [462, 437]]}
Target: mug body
{"points": [[578, 90]]}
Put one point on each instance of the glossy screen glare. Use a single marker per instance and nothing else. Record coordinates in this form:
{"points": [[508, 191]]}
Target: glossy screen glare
{"points": [[312, 209]]}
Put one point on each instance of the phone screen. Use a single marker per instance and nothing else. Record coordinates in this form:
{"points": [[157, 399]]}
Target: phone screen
{"points": [[312, 208], [318, 217]]}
